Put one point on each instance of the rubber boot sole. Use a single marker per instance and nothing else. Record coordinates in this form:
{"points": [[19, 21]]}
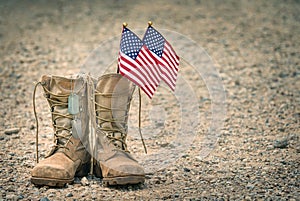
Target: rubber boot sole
{"points": [[112, 181], [51, 182]]}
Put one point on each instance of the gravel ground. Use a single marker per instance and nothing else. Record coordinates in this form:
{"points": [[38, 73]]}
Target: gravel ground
{"points": [[254, 46]]}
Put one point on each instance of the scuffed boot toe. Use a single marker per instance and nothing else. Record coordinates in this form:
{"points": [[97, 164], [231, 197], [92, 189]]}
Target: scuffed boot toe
{"points": [[121, 169], [51, 173]]}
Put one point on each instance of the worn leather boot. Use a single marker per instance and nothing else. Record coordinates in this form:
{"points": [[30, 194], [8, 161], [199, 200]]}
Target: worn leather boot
{"points": [[68, 157], [114, 162]]}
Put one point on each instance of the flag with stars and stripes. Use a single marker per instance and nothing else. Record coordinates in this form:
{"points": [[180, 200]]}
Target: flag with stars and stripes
{"points": [[165, 56], [137, 63]]}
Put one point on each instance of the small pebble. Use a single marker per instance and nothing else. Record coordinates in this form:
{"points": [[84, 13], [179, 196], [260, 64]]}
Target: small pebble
{"points": [[44, 199], [69, 195], [11, 131], [186, 169], [84, 181], [32, 127], [281, 143], [51, 195]]}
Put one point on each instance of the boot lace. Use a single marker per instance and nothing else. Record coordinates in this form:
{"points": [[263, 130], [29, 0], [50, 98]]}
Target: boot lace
{"points": [[118, 125], [55, 116]]}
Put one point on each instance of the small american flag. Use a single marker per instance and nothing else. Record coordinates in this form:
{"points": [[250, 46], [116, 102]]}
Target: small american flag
{"points": [[137, 63], [165, 56]]}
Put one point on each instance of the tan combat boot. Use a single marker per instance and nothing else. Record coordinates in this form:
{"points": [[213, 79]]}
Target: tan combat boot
{"points": [[68, 156], [114, 162]]}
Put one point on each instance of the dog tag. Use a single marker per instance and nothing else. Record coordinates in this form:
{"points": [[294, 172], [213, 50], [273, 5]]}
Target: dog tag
{"points": [[73, 104]]}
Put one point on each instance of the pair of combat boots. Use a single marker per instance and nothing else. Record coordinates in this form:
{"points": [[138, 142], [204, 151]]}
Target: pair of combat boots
{"points": [[82, 108]]}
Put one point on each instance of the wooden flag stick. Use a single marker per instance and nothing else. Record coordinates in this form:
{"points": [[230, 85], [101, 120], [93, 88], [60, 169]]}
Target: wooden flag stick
{"points": [[124, 26], [140, 120]]}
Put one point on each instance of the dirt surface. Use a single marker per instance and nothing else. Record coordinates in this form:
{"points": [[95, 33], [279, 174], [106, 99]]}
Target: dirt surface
{"points": [[255, 47]]}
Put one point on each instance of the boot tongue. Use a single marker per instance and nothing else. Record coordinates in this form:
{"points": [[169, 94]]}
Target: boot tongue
{"points": [[113, 105], [62, 123], [60, 89]]}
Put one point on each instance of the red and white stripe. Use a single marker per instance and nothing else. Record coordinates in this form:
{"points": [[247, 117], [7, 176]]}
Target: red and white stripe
{"points": [[143, 71], [168, 64]]}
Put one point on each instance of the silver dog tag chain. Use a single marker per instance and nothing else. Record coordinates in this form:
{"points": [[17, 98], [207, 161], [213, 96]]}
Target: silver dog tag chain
{"points": [[73, 102], [73, 109]]}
